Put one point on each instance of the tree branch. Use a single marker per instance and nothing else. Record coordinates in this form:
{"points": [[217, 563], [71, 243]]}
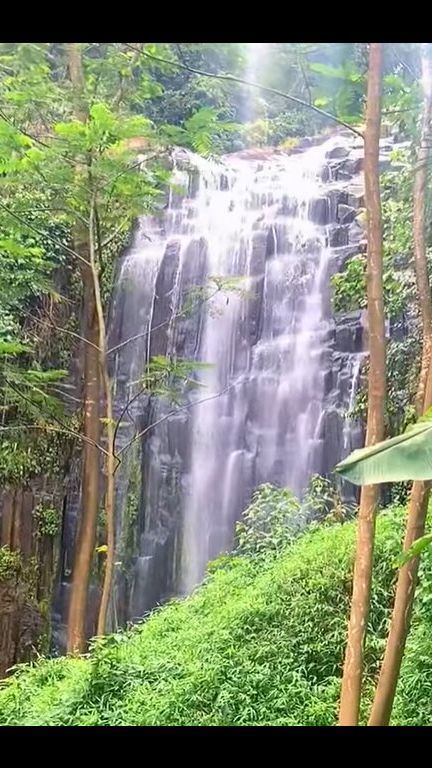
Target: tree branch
{"points": [[186, 407], [160, 325], [61, 330], [50, 428]]}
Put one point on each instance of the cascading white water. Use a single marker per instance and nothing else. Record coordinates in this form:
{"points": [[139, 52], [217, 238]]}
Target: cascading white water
{"points": [[262, 427], [258, 415], [356, 364]]}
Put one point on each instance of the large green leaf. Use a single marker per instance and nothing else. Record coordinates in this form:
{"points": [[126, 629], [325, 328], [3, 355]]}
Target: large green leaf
{"points": [[415, 549], [405, 457]]}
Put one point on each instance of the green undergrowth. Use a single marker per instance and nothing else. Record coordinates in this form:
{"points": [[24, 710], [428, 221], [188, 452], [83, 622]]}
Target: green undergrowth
{"points": [[259, 643]]}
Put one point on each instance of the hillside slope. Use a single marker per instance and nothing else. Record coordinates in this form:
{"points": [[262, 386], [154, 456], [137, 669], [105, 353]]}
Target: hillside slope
{"points": [[260, 643]]}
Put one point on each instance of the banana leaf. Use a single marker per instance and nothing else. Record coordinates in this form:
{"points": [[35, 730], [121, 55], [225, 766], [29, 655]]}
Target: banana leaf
{"points": [[405, 457]]}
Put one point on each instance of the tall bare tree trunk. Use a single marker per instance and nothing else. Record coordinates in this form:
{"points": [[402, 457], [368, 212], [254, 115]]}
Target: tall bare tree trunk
{"points": [[86, 537], [417, 510], [419, 230], [353, 667], [110, 462]]}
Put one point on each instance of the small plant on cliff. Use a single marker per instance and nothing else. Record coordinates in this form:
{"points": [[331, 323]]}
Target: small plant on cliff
{"points": [[48, 520], [349, 286], [10, 564]]}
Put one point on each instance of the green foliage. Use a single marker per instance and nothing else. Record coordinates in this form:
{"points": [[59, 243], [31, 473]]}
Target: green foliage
{"points": [[343, 86], [10, 564], [26, 454], [256, 134], [349, 288], [203, 132], [261, 643], [272, 519], [11, 348], [275, 517], [416, 549], [171, 378], [403, 357], [48, 520], [284, 130], [323, 501]]}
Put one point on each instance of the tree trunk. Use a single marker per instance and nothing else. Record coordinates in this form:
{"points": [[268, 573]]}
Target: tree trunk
{"points": [[402, 610], [110, 462], [417, 510], [109, 508], [86, 537], [419, 230], [353, 667]]}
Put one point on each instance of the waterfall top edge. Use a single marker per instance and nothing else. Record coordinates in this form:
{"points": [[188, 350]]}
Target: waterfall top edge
{"points": [[184, 158]]}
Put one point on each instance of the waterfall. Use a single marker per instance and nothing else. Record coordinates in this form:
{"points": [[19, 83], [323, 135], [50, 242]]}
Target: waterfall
{"points": [[258, 414], [350, 423], [249, 244]]}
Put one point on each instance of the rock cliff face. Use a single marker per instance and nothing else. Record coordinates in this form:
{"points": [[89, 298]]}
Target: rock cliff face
{"points": [[30, 524]]}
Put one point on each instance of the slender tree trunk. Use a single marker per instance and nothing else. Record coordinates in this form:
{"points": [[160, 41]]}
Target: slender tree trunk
{"points": [[109, 506], [86, 537], [419, 229], [417, 510], [353, 667], [110, 462], [402, 610]]}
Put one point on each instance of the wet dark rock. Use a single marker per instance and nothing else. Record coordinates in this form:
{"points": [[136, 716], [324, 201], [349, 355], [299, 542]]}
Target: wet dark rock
{"points": [[163, 305], [343, 175], [319, 210], [346, 214], [338, 151], [340, 256], [349, 332], [326, 174], [289, 206], [336, 196], [353, 166], [384, 164], [257, 270], [224, 182], [338, 236], [194, 183], [355, 197], [355, 232], [332, 427], [305, 142]]}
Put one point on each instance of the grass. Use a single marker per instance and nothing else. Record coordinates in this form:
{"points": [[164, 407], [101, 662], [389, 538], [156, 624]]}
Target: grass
{"points": [[260, 643]]}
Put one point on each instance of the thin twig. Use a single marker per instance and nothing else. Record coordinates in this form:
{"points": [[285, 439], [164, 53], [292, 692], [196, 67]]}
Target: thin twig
{"points": [[60, 329], [160, 325], [50, 428], [186, 407]]}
